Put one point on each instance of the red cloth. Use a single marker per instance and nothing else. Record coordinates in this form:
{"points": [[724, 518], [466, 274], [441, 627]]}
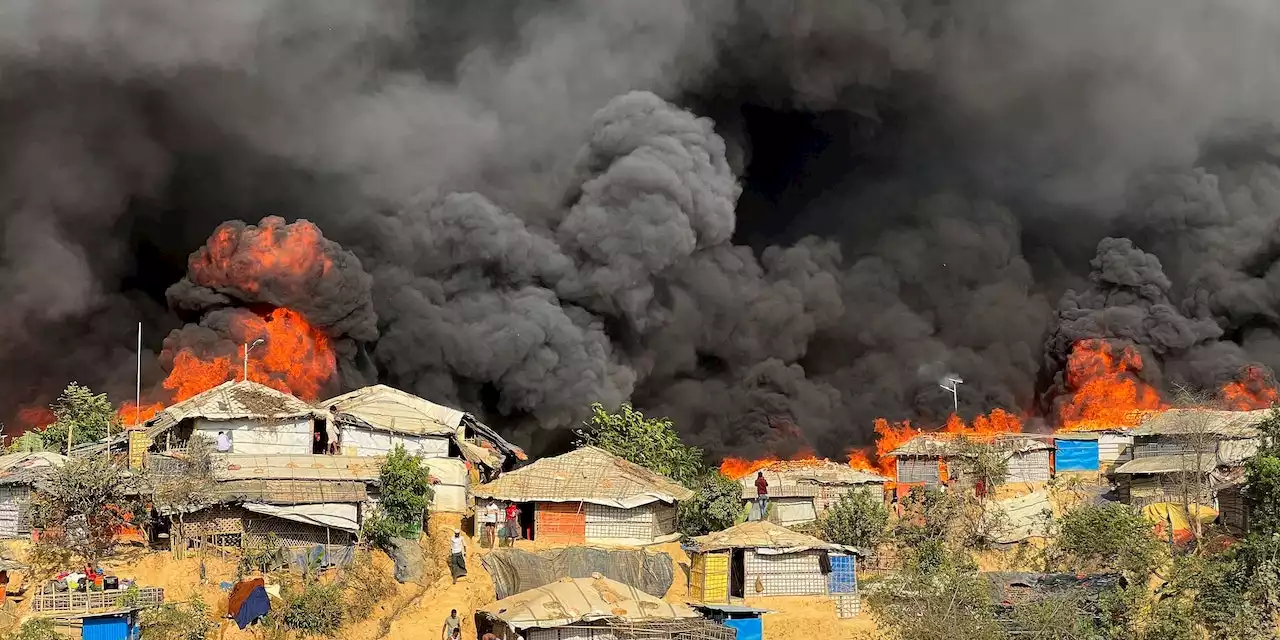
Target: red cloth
{"points": [[240, 593], [762, 486], [512, 511]]}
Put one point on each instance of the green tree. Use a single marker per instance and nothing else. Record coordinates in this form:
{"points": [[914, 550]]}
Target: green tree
{"points": [[654, 444], [1107, 537], [92, 487], [929, 519], [1262, 479], [985, 462], [857, 519], [405, 497], [27, 443], [85, 414]]}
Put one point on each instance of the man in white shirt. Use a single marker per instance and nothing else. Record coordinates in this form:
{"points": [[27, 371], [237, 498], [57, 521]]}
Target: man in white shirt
{"points": [[490, 519], [223, 442], [457, 556]]}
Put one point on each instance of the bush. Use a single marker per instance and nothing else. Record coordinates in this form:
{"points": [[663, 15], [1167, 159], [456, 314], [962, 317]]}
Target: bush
{"points": [[406, 492], [716, 503], [1107, 537], [35, 629], [929, 516], [857, 519], [314, 608], [366, 586], [178, 621]]}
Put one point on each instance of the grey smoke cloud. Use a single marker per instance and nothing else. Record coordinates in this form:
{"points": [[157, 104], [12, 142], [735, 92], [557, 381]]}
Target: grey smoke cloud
{"points": [[542, 201]]}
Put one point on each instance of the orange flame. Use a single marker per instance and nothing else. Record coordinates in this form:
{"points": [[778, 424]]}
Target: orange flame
{"points": [[294, 358], [272, 251], [36, 417], [1108, 393], [1254, 390], [738, 468]]}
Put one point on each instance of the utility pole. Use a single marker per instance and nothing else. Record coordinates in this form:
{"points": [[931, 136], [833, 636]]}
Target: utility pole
{"points": [[137, 397], [954, 388], [247, 348]]}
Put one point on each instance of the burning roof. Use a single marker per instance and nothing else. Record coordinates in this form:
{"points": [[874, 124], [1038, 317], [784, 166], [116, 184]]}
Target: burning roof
{"points": [[386, 409], [1221, 424], [804, 478], [945, 445], [231, 401]]}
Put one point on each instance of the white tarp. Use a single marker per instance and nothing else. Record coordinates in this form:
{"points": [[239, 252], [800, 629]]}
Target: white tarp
{"points": [[261, 437], [367, 442], [333, 515]]}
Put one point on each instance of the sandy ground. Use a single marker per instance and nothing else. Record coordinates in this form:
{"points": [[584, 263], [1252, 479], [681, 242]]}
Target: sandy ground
{"points": [[417, 611]]}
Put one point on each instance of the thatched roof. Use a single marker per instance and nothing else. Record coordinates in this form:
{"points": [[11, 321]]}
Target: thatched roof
{"points": [[1220, 424], [386, 409], [943, 445], [806, 478], [762, 534], [231, 401], [571, 600], [1167, 464], [588, 474]]}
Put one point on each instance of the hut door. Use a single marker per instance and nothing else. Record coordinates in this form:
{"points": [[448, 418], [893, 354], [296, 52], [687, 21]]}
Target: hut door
{"points": [[737, 574]]}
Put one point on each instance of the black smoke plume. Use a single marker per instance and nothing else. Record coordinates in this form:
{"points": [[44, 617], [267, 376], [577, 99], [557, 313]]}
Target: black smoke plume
{"points": [[773, 222]]}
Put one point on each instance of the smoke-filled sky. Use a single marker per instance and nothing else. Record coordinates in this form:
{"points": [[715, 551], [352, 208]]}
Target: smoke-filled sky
{"points": [[760, 218]]}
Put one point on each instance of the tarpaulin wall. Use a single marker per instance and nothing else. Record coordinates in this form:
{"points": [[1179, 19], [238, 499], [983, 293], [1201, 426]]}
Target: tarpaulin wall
{"points": [[1077, 455], [514, 571]]}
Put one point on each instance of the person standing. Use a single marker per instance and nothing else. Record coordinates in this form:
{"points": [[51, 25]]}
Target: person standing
{"points": [[457, 556], [490, 519], [513, 524], [762, 495], [452, 625]]}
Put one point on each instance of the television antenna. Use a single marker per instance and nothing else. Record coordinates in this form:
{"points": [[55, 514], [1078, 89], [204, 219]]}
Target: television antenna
{"points": [[953, 385]]}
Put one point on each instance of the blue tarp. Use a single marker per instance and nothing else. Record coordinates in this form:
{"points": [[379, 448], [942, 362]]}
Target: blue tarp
{"points": [[1076, 455], [106, 628], [842, 578], [255, 606], [748, 628]]}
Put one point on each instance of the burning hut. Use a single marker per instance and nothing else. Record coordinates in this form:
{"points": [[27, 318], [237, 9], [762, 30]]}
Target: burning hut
{"points": [[595, 607], [1200, 451], [802, 490], [256, 419], [760, 558], [588, 495], [18, 474], [930, 458]]}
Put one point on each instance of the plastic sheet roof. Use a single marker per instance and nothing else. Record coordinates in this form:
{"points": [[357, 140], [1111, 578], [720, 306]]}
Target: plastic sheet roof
{"points": [[1223, 424], [28, 467], [231, 401], [386, 409], [806, 478], [588, 474], [296, 467], [1167, 464], [571, 600], [762, 534]]}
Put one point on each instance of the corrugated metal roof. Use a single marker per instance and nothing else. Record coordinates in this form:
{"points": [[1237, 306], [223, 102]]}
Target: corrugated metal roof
{"points": [[944, 444], [571, 600], [588, 474], [1225, 424], [28, 467], [761, 534], [386, 409], [231, 401], [806, 478], [1167, 464]]}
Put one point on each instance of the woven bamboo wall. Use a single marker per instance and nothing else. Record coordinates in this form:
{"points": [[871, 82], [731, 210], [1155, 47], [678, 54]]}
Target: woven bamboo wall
{"points": [[664, 519], [559, 522], [214, 521], [913, 469], [848, 605], [709, 577], [1032, 466], [792, 574]]}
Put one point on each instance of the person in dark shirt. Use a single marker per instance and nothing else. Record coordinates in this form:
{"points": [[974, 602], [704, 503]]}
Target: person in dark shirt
{"points": [[762, 495]]}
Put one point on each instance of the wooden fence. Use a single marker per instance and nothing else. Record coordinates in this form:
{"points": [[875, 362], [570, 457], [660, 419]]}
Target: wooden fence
{"points": [[79, 602]]}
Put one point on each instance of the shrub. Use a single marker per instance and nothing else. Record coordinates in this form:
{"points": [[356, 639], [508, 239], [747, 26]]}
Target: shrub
{"points": [[366, 586], [405, 497], [716, 503], [1107, 537], [35, 629], [178, 621], [313, 608], [857, 519]]}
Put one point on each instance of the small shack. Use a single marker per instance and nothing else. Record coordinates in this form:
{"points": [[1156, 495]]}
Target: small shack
{"points": [[931, 458], [594, 608], [18, 474], [802, 490], [257, 419], [760, 558], [588, 495]]}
